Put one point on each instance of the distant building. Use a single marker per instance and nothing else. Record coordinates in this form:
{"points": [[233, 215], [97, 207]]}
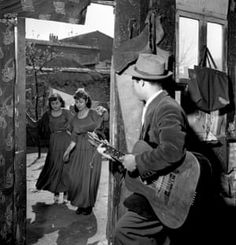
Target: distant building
{"points": [[85, 55], [94, 39], [91, 50], [85, 62]]}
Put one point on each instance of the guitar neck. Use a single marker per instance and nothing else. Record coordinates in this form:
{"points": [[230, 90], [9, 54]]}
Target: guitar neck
{"points": [[111, 151]]}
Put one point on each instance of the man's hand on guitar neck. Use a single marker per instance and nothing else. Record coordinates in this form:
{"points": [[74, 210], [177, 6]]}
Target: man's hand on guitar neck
{"points": [[128, 160], [101, 149]]}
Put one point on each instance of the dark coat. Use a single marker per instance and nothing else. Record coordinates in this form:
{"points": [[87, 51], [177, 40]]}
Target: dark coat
{"points": [[165, 128]]}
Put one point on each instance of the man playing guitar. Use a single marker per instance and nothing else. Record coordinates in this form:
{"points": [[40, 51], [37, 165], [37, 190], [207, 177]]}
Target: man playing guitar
{"points": [[164, 129]]}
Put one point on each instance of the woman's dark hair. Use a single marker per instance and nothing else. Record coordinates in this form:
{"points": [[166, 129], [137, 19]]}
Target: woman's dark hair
{"points": [[82, 94], [54, 97]]}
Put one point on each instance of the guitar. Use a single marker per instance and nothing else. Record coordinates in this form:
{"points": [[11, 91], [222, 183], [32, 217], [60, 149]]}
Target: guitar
{"points": [[170, 195]]}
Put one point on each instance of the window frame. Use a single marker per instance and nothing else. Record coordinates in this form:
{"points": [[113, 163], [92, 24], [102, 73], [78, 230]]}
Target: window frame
{"points": [[203, 20]]}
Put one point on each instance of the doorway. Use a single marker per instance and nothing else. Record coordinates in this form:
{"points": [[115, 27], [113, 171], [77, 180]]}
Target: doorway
{"points": [[48, 223]]}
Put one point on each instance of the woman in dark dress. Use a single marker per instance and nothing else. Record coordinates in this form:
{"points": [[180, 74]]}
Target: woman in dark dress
{"points": [[55, 122], [84, 160]]}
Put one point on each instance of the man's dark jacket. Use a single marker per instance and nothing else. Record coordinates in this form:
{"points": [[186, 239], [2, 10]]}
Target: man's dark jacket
{"points": [[165, 128]]}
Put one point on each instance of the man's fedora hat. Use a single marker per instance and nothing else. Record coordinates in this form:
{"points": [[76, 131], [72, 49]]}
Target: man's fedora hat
{"points": [[150, 67]]}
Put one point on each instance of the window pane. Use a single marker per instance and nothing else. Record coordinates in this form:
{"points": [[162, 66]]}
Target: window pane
{"points": [[215, 42], [188, 45]]}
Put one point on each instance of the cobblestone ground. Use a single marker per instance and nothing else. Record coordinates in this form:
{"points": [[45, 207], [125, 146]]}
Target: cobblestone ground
{"points": [[51, 224]]}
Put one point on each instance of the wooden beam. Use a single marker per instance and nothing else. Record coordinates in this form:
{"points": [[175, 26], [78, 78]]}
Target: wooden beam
{"points": [[20, 137], [110, 3]]}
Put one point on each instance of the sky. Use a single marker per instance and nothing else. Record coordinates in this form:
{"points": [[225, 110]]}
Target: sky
{"points": [[99, 17]]}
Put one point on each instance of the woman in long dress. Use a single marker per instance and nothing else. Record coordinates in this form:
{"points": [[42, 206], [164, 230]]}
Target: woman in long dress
{"points": [[55, 122], [84, 160]]}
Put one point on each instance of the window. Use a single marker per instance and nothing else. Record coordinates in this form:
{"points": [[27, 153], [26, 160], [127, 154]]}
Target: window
{"points": [[215, 42], [188, 45], [194, 31]]}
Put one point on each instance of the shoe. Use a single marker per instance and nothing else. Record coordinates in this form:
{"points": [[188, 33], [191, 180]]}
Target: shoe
{"points": [[87, 211], [56, 199], [79, 211]]}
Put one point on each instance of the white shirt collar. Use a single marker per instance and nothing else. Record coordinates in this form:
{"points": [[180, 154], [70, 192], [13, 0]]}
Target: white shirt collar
{"points": [[148, 103]]}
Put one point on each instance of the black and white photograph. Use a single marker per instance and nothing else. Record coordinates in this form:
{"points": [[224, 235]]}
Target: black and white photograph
{"points": [[117, 122]]}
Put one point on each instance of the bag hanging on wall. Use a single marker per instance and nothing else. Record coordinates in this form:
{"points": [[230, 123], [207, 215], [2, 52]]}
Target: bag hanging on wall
{"points": [[207, 86]]}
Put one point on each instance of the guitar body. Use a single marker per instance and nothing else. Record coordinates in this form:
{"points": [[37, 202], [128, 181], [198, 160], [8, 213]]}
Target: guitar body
{"points": [[171, 195]]}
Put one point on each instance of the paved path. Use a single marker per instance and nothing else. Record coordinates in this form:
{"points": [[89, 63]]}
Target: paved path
{"points": [[51, 224]]}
